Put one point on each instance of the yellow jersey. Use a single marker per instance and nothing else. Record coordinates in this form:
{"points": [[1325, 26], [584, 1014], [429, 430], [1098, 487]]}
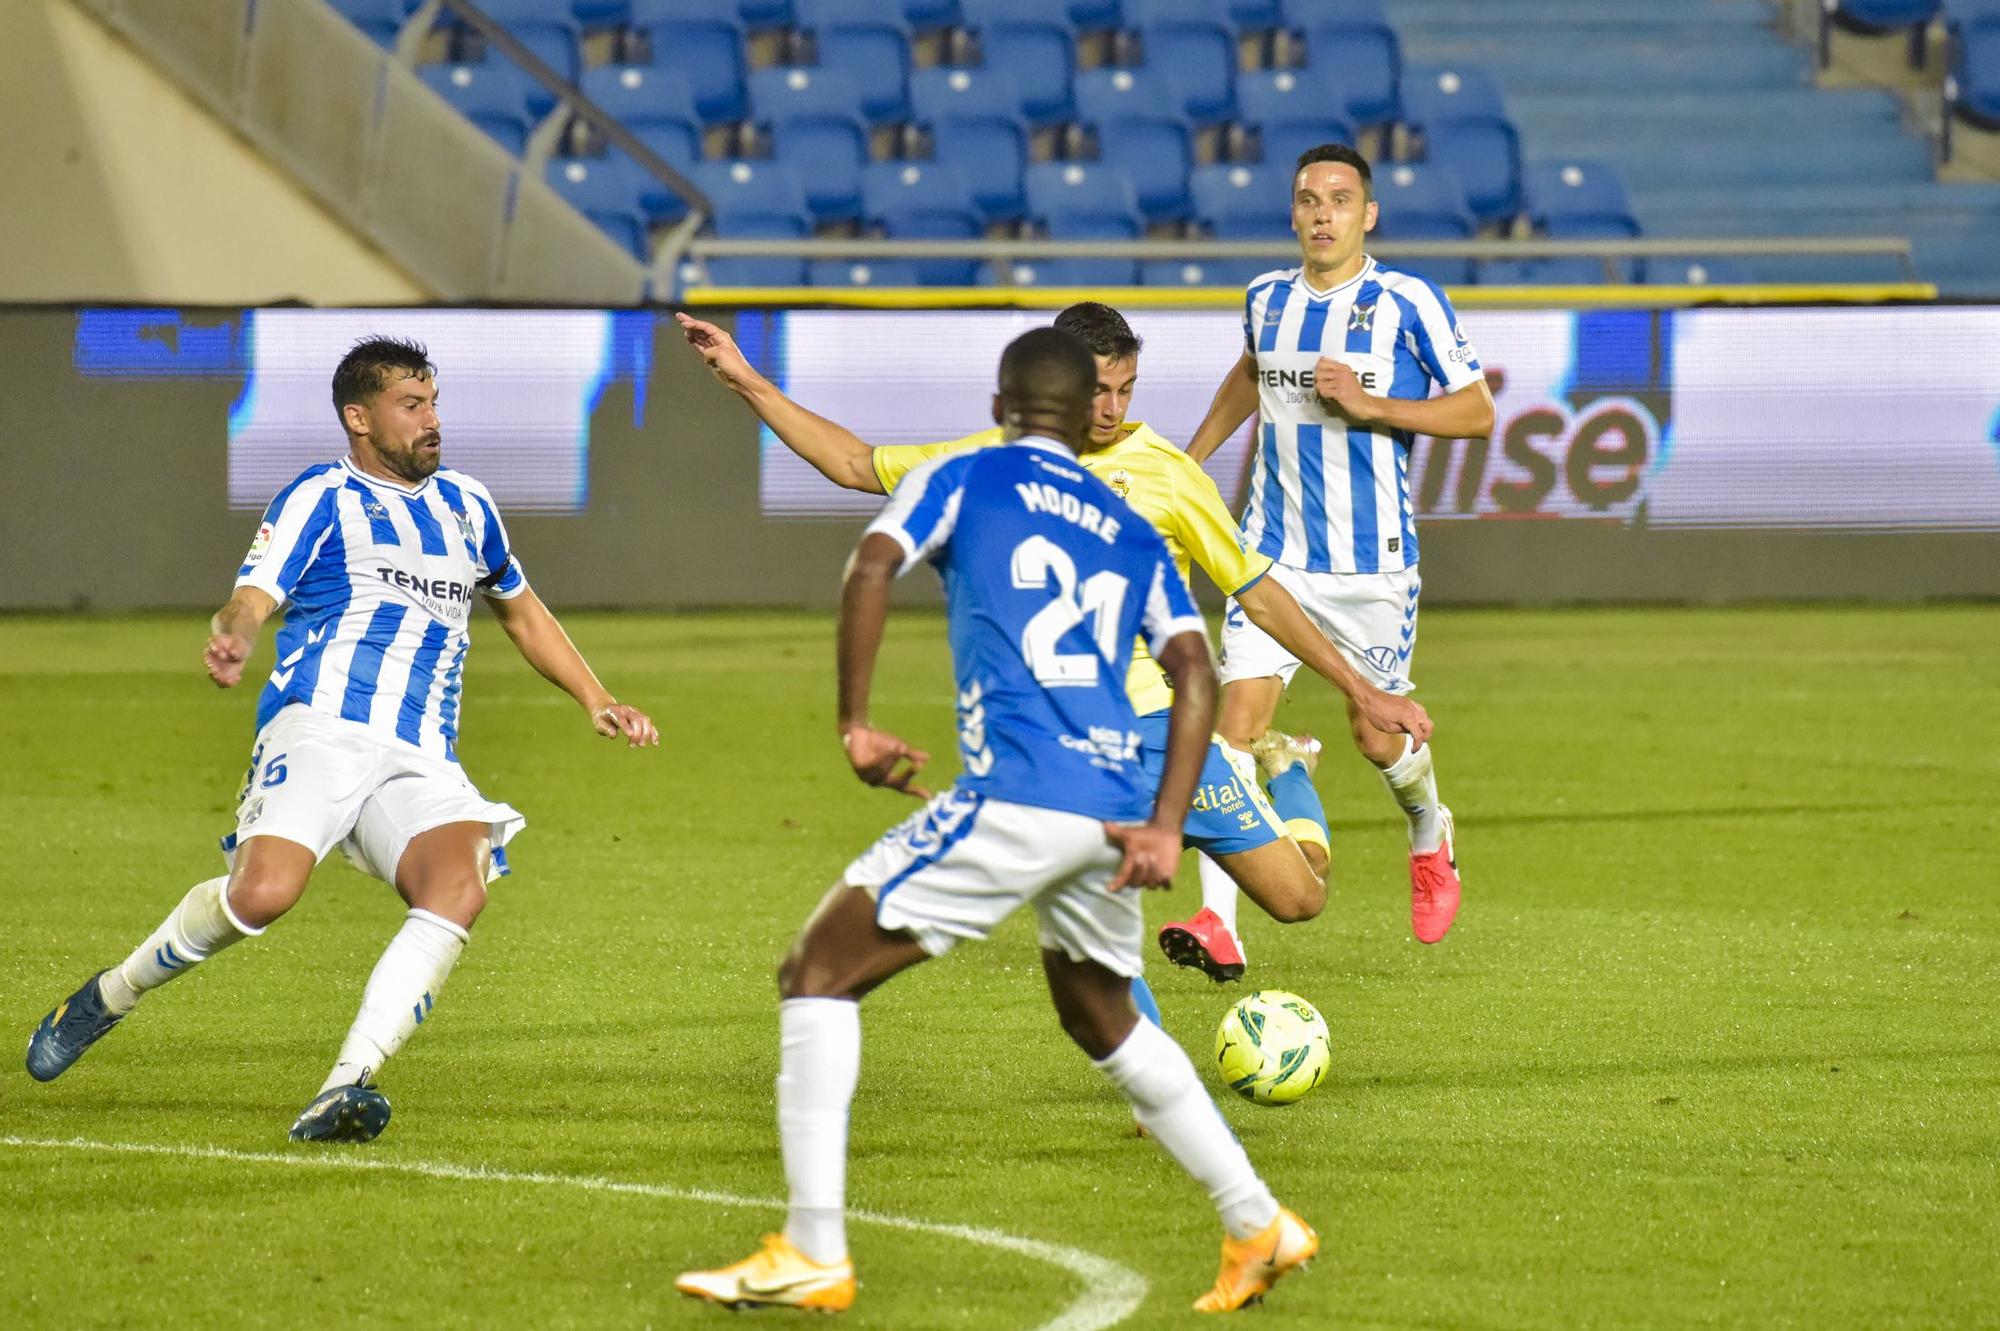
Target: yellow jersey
{"points": [[1164, 486]]}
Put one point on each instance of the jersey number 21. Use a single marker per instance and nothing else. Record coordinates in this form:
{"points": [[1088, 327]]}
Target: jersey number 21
{"points": [[1100, 599]]}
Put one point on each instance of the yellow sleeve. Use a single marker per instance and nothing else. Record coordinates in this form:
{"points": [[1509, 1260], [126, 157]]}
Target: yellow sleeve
{"points": [[1210, 536], [895, 461]]}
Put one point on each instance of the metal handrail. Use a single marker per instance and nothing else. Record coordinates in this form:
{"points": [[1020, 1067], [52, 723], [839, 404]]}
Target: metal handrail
{"points": [[1638, 247]]}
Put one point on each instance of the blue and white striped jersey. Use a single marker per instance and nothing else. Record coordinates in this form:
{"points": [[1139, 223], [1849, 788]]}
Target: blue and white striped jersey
{"points": [[1325, 496], [377, 579], [1048, 578]]}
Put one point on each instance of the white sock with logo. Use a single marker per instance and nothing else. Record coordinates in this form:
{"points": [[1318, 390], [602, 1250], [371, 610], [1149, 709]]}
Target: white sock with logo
{"points": [[198, 928], [1219, 893], [1413, 783], [819, 1062], [1168, 1099], [399, 996]]}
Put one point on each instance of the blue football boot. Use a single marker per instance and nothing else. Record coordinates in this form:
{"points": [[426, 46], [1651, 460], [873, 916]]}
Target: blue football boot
{"points": [[77, 1023], [343, 1114]]}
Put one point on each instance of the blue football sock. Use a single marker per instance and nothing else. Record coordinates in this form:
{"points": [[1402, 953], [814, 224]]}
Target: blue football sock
{"points": [[1293, 796], [1142, 998]]}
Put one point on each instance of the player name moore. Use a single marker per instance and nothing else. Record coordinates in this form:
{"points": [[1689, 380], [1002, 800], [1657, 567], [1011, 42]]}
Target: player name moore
{"points": [[1041, 497]]}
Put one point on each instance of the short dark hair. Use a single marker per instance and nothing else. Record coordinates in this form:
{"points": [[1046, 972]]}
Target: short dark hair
{"points": [[364, 371], [1346, 156], [1100, 328], [1048, 369]]}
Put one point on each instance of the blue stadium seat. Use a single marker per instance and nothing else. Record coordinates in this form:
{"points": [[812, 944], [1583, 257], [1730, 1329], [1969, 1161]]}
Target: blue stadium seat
{"points": [[1578, 200], [636, 95], [977, 126], [927, 15], [1068, 195], [1204, 272], [1095, 15], [493, 95], [1139, 13], [1876, 18], [679, 144], [871, 42], [1355, 53], [1696, 272], [382, 20], [924, 201], [1139, 131], [1199, 61], [708, 53], [611, 192], [1465, 127], [744, 188], [1243, 202], [757, 224], [1424, 201], [1255, 15], [862, 273], [1972, 87], [1539, 272], [1290, 111], [758, 14], [556, 42], [601, 13], [1031, 40], [814, 117], [992, 156]]}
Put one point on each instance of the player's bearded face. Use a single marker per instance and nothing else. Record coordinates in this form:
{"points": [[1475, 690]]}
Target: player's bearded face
{"points": [[404, 427], [1115, 381], [1331, 213]]}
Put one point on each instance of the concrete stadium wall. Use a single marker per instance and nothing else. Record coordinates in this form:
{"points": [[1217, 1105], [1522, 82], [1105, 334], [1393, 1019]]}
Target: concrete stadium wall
{"points": [[122, 188], [115, 497]]}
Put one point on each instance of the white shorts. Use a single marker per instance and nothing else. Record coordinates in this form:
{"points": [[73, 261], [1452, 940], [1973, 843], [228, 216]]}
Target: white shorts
{"points": [[963, 863], [1371, 618], [324, 782]]}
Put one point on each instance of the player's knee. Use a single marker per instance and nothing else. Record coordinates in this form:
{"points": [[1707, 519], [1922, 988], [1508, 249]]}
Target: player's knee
{"points": [[256, 899], [1098, 1034], [456, 897], [801, 974]]}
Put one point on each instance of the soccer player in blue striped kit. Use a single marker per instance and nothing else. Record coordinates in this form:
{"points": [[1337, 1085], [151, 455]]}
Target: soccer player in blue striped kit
{"points": [[1049, 577], [378, 557], [1341, 355]]}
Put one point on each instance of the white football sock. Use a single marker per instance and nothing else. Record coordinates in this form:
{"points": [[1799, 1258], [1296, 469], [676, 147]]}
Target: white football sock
{"points": [[405, 984], [1168, 1098], [194, 931], [819, 1062], [1219, 893], [1414, 785]]}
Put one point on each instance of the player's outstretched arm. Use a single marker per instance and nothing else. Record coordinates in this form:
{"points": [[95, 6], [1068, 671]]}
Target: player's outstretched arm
{"points": [[1463, 413], [877, 756], [840, 455], [232, 635], [1233, 403], [1274, 610], [1153, 848], [539, 636]]}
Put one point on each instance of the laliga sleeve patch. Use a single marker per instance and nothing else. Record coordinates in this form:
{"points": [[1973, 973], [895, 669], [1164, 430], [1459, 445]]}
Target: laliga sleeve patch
{"points": [[259, 545]]}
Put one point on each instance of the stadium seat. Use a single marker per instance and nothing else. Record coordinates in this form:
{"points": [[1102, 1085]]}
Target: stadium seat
{"points": [[679, 145], [1255, 16], [1558, 193], [708, 53], [1876, 18], [1465, 127], [992, 156], [924, 201], [1351, 47], [1139, 132], [760, 14], [556, 42], [1972, 86], [1031, 40], [871, 42], [1424, 201], [1290, 112], [976, 125], [861, 273], [493, 95], [643, 96], [1696, 272], [813, 115], [601, 13], [1204, 272], [610, 191], [1537, 272], [1243, 202], [1199, 62], [759, 271], [930, 15], [1082, 201]]}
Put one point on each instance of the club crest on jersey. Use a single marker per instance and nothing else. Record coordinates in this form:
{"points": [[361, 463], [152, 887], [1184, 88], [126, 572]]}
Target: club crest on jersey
{"points": [[373, 508], [1120, 482], [1362, 320], [464, 521]]}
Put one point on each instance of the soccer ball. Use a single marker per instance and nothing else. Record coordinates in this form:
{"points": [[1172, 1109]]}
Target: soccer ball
{"points": [[1273, 1047]]}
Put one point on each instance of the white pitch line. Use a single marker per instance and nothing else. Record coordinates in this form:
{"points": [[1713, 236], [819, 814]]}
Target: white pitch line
{"points": [[1111, 1292]]}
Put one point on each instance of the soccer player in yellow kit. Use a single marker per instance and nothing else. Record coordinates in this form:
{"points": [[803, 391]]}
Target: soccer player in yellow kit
{"points": [[1274, 847]]}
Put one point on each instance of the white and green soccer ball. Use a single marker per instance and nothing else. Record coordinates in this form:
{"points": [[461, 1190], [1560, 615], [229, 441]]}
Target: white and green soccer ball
{"points": [[1273, 1047]]}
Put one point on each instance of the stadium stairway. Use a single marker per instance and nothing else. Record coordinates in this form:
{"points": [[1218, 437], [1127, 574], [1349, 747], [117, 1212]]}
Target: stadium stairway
{"points": [[1709, 112]]}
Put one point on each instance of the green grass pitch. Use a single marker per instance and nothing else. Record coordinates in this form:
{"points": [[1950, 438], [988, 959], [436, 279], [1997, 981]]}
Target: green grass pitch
{"points": [[1713, 1043]]}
